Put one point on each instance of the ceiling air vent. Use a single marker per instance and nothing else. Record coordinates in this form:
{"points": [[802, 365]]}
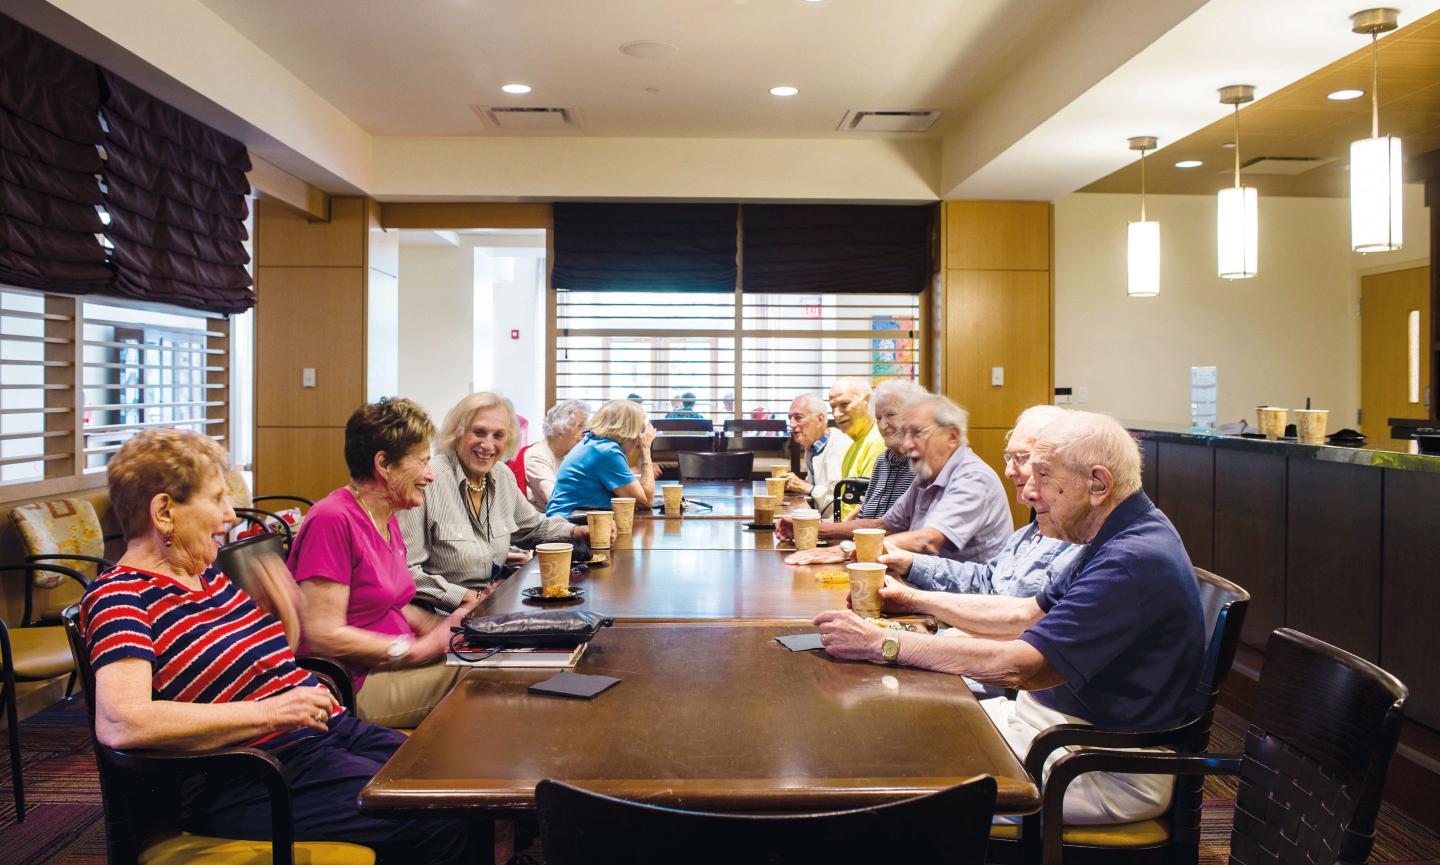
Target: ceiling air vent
{"points": [[867, 120], [528, 118], [1282, 164]]}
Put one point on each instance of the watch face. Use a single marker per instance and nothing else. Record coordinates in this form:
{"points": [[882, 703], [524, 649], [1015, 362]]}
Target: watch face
{"points": [[891, 647]]}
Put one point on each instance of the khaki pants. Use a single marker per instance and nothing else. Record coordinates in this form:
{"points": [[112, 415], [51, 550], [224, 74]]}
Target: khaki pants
{"points": [[1095, 797], [402, 698]]}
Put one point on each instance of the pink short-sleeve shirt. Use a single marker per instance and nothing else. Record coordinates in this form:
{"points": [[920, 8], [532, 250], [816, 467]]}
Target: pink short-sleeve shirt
{"points": [[339, 542]]}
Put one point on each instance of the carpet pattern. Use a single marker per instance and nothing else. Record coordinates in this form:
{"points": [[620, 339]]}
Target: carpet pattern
{"points": [[64, 822]]}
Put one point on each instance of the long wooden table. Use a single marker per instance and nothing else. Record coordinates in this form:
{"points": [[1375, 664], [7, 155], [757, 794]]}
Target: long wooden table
{"points": [[711, 712]]}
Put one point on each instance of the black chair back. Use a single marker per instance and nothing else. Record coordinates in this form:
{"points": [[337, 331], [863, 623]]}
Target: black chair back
{"points": [[578, 827], [1324, 728], [682, 424], [716, 466], [765, 436], [239, 559]]}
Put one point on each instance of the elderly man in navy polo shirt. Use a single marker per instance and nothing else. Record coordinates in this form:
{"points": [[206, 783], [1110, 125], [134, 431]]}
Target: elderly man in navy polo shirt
{"points": [[1117, 643]]}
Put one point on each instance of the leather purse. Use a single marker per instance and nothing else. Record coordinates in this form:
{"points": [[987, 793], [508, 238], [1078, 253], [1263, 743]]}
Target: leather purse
{"points": [[548, 628]]}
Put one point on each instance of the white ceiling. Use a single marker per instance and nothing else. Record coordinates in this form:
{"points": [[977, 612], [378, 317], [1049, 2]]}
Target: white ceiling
{"points": [[413, 68]]}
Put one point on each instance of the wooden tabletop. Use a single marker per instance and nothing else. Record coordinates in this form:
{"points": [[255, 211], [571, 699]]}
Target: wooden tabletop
{"points": [[669, 584], [707, 716], [687, 534]]}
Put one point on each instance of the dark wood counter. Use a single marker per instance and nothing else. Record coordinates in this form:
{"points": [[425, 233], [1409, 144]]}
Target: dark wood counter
{"points": [[712, 717]]}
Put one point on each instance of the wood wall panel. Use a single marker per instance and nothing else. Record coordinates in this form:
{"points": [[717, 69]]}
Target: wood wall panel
{"points": [[1332, 570], [1250, 535], [997, 318], [309, 317], [1185, 476], [1412, 604], [997, 235], [285, 239], [989, 445], [302, 461]]}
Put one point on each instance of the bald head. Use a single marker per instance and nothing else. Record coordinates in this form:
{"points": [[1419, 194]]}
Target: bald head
{"points": [[850, 405], [1082, 466], [1020, 440]]}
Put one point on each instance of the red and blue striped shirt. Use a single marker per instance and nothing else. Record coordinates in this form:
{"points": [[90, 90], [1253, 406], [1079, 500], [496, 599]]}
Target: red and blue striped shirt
{"points": [[206, 645]]}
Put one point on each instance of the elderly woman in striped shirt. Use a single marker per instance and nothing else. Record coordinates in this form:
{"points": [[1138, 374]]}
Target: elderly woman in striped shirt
{"points": [[460, 538], [185, 660]]}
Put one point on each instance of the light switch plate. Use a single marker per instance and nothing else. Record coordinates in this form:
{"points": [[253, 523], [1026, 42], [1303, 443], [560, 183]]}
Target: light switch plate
{"points": [[307, 377], [1082, 395], [997, 376]]}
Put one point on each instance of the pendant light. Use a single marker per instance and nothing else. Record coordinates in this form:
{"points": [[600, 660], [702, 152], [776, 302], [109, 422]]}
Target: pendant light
{"points": [[1237, 231], [1144, 248], [1376, 193]]}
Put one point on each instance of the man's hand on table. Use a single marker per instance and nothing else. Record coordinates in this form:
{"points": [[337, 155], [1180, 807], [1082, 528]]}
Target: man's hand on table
{"points": [[898, 561], [817, 556], [784, 528], [899, 597], [846, 635]]}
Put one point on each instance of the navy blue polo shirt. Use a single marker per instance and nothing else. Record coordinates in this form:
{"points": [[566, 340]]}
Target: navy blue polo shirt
{"points": [[1125, 628]]}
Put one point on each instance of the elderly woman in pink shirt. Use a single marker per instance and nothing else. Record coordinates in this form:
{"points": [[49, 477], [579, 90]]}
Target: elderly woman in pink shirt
{"points": [[350, 561]]}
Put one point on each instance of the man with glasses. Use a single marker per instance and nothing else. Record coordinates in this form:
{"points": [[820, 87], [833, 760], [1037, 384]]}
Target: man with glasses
{"points": [[956, 506], [824, 450], [1028, 561]]}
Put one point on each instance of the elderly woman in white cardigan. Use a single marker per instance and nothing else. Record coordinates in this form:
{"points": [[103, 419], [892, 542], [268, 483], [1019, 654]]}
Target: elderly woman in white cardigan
{"points": [[459, 540], [562, 428]]}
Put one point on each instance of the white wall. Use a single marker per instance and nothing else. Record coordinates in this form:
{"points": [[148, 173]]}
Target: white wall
{"points": [[512, 281], [436, 333], [1289, 333]]}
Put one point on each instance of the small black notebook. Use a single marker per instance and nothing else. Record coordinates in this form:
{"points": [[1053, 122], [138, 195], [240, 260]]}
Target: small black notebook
{"points": [[801, 642], [568, 684]]}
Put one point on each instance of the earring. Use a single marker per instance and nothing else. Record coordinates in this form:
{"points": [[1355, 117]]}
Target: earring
{"points": [[168, 538]]}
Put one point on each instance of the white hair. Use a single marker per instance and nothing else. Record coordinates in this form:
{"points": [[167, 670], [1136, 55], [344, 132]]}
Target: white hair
{"points": [[566, 416], [1081, 439], [944, 412], [852, 384], [895, 388], [811, 403], [1035, 418]]}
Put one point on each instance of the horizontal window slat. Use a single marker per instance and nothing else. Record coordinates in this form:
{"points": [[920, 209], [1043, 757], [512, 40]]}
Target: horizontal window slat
{"points": [[119, 406], [97, 365], [45, 340], [34, 410], [37, 458], [121, 427], [145, 346]]}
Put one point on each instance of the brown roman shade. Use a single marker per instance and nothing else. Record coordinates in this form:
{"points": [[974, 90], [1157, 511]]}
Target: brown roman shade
{"points": [[644, 247], [175, 190], [837, 248], [49, 131]]}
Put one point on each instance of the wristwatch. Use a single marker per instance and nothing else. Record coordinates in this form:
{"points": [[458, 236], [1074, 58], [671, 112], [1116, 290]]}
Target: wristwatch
{"points": [[399, 647], [890, 649]]}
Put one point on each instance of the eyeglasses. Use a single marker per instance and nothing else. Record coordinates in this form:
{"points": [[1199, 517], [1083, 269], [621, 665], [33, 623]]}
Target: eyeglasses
{"points": [[918, 434], [1016, 458]]}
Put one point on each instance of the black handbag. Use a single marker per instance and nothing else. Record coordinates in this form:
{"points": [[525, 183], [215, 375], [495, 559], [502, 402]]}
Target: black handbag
{"points": [[543, 628]]}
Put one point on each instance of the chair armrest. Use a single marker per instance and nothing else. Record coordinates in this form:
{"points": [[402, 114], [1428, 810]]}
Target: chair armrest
{"points": [[33, 565], [1071, 766], [250, 763], [301, 499], [1065, 735], [335, 673]]}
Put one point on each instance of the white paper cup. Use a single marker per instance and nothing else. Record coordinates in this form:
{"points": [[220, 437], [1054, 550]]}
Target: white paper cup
{"points": [[806, 522]]}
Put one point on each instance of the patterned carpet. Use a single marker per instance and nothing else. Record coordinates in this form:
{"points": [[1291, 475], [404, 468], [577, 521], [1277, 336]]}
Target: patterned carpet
{"points": [[64, 820]]}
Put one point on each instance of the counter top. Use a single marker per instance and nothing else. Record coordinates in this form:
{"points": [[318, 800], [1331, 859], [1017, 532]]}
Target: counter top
{"points": [[1379, 453]]}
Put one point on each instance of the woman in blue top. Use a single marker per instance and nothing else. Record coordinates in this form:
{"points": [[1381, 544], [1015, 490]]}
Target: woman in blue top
{"points": [[598, 468]]}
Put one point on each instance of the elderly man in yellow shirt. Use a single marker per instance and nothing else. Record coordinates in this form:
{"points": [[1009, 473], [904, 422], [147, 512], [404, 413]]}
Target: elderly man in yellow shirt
{"points": [[850, 406]]}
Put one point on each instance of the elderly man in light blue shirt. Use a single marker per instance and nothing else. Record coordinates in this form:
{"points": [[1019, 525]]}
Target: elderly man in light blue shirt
{"points": [[1026, 563]]}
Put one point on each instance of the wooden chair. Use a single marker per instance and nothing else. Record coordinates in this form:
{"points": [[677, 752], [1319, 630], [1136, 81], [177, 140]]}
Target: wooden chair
{"points": [[30, 654], [139, 793], [66, 532], [578, 827], [1324, 729], [716, 465], [1174, 836]]}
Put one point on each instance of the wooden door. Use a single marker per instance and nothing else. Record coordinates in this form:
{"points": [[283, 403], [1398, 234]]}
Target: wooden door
{"points": [[1394, 361]]}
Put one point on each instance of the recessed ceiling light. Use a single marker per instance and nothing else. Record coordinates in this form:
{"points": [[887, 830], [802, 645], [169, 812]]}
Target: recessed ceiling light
{"points": [[1342, 95], [517, 89], [785, 90], [1229, 145], [1189, 163]]}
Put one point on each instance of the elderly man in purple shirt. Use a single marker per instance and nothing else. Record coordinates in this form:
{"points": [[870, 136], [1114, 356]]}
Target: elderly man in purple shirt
{"points": [[955, 508]]}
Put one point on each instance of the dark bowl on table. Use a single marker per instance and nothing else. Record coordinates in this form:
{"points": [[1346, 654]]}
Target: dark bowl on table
{"points": [[1429, 442]]}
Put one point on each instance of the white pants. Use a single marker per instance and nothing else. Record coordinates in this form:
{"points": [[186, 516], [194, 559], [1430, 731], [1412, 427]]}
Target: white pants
{"points": [[1092, 798]]}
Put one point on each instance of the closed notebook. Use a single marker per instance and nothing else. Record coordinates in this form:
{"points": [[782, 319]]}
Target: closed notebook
{"points": [[569, 684]]}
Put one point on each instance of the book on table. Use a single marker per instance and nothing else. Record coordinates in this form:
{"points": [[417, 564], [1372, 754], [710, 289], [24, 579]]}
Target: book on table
{"points": [[529, 657]]}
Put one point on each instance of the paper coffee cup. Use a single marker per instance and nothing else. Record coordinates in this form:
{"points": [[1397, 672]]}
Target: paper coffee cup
{"points": [[869, 544], [624, 509], [555, 569], [1272, 421], [779, 471], [866, 578], [674, 494], [1310, 425], [600, 524], [764, 511], [775, 488], [807, 528]]}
